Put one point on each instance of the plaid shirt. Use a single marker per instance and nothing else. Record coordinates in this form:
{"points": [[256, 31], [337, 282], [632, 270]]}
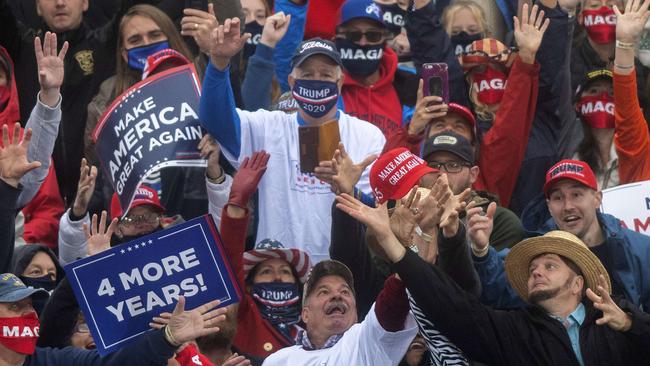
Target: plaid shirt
{"points": [[303, 340]]}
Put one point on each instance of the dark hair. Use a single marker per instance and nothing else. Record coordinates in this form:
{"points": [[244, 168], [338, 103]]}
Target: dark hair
{"points": [[253, 273], [587, 151]]}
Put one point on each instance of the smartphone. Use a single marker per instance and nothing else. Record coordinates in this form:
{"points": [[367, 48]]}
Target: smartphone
{"points": [[436, 80], [197, 4]]}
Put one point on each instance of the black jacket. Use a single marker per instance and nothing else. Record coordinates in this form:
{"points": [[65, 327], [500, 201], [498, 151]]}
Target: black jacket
{"points": [[527, 336], [8, 199]]}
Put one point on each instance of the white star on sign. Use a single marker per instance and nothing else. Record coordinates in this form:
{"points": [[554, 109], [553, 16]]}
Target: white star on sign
{"points": [[137, 246], [150, 242], [143, 244], [122, 251], [129, 249]]}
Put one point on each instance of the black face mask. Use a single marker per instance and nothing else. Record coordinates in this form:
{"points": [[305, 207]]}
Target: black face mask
{"points": [[46, 283], [255, 29], [394, 17], [360, 60], [461, 40]]}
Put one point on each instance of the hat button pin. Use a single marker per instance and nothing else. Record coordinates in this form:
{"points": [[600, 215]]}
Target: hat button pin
{"points": [[268, 346]]}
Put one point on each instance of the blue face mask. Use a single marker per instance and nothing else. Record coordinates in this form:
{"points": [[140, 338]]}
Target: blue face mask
{"points": [[138, 55], [315, 97]]}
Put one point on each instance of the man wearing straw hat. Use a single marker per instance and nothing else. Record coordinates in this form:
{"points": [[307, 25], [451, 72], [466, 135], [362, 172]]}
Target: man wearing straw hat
{"points": [[571, 318]]}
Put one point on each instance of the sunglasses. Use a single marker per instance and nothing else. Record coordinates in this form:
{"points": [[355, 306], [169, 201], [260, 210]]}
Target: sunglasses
{"points": [[372, 36]]}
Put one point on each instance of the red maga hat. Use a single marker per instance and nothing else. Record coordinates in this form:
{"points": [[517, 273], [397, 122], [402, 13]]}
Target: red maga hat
{"points": [[395, 173]]}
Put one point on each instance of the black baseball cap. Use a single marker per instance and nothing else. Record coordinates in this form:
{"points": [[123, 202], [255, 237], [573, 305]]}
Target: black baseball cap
{"points": [[326, 268], [450, 142], [315, 46], [590, 77]]}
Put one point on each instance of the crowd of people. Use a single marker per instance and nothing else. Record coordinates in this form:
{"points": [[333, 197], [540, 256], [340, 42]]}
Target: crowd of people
{"points": [[463, 228]]}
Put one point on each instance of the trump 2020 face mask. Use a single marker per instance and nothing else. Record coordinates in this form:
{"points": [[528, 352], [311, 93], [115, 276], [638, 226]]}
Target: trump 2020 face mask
{"points": [[315, 97]]}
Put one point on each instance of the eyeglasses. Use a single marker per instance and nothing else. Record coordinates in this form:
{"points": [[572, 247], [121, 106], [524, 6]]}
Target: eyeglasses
{"points": [[150, 218], [449, 166], [81, 328], [372, 36]]}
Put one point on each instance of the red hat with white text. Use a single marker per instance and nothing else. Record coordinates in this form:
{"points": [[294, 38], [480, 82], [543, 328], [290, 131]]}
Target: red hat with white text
{"points": [[576, 170], [144, 195], [395, 173]]}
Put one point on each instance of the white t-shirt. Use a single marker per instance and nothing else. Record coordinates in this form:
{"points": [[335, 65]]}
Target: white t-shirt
{"points": [[295, 208], [366, 343]]}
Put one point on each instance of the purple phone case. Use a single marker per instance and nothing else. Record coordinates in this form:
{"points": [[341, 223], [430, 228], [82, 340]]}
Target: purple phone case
{"points": [[436, 70]]}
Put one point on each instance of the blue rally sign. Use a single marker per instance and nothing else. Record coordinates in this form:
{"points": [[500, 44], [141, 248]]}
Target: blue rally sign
{"points": [[154, 124], [121, 289]]}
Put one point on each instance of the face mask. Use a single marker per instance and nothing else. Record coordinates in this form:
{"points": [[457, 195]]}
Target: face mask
{"points": [[359, 60], [315, 97], [255, 29], [597, 111], [644, 57], [600, 24], [5, 93], [394, 17], [489, 85], [138, 55], [46, 283], [20, 334], [278, 302], [462, 40]]}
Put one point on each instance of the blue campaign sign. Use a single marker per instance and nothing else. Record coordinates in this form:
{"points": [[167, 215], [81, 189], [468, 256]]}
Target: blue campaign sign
{"points": [[154, 124], [120, 290]]}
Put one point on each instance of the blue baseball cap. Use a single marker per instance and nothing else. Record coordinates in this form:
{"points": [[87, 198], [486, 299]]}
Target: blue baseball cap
{"points": [[357, 9], [12, 289], [315, 46]]}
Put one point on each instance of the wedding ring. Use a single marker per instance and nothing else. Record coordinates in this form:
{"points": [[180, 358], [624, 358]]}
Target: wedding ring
{"points": [[415, 210], [196, 25], [426, 109]]}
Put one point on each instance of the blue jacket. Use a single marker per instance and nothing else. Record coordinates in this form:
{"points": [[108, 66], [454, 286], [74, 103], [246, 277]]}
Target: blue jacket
{"points": [[631, 252], [150, 349]]}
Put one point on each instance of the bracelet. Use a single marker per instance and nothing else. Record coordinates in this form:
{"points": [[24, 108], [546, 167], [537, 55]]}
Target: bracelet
{"points": [[624, 67], [218, 180], [426, 237], [170, 338], [480, 252], [625, 45]]}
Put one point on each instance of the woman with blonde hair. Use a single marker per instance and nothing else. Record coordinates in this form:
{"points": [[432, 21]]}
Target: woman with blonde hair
{"points": [[465, 22]]}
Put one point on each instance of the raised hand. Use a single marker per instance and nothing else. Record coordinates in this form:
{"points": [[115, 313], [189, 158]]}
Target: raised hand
{"points": [[199, 25], [13, 155], [630, 24], [405, 217], [225, 42], [529, 32], [479, 225], [275, 28], [237, 360], [99, 237], [185, 326], [248, 178], [341, 172], [432, 207], [50, 67], [85, 188], [375, 219], [427, 108], [613, 316], [209, 149]]}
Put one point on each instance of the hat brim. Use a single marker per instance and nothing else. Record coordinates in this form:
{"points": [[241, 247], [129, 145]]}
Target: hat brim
{"points": [[24, 293], [549, 184], [517, 262], [409, 182], [297, 258], [304, 57], [137, 203]]}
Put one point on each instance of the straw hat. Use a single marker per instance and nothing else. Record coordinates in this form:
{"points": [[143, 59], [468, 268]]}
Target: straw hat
{"points": [[558, 242]]}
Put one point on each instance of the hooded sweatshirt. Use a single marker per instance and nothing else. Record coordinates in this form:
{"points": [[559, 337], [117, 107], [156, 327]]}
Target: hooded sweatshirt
{"points": [[42, 212], [378, 103]]}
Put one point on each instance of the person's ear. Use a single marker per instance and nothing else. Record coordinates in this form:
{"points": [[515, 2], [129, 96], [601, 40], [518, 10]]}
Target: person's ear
{"points": [[578, 285], [305, 314], [292, 81], [598, 197], [473, 173], [340, 82], [84, 5], [39, 12]]}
